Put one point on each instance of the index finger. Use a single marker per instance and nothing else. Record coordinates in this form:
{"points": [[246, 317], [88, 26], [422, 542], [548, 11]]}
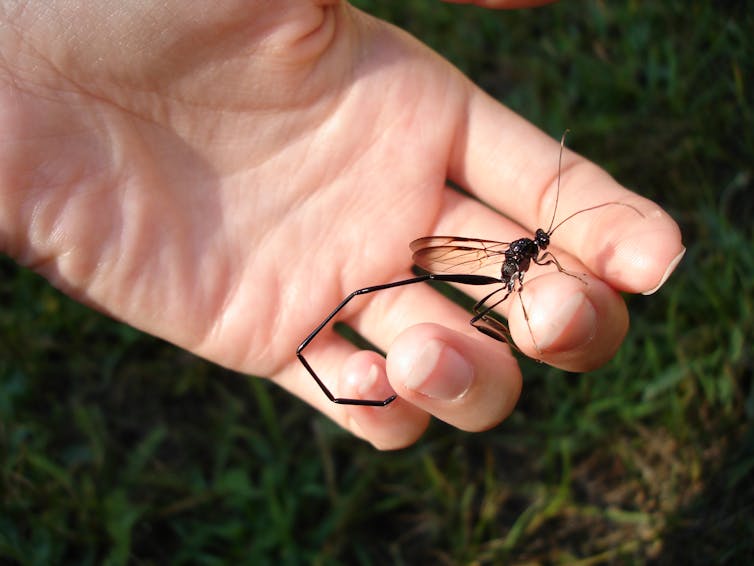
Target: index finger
{"points": [[512, 166]]}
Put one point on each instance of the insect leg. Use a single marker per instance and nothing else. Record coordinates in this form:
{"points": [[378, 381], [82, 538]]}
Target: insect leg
{"points": [[462, 279], [553, 261], [328, 318], [488, 325], [494, 329], [526, 314]]}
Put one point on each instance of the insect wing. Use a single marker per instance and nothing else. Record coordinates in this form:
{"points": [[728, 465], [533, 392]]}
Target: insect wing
{"points": [[452, 254]]}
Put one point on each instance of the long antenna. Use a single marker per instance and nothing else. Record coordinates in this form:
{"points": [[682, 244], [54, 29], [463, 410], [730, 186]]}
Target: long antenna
{"points": [[557, 192], [593, 208]]}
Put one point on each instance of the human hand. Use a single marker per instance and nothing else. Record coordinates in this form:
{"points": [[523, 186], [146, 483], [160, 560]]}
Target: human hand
{"points": [[222, 175]]}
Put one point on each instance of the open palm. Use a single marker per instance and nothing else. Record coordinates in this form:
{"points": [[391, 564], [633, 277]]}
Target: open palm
{"points": [[223, 179]]}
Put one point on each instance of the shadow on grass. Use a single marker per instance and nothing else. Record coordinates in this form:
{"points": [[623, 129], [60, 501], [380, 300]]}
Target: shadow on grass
{"points": [[717, 526]]}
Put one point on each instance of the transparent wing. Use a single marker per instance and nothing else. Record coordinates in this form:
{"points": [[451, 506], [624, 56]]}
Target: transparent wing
{"points": [[455, 254]]}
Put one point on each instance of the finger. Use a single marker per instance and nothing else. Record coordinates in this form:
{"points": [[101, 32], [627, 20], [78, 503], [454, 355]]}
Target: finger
{"points": [[392, 427], [326, 354], [471, 383], [362, 376], [510, 164], [570, 324]]}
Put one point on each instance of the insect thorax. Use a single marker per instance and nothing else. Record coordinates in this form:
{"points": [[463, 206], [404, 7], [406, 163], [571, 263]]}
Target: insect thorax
{"points": [[523, 248]]}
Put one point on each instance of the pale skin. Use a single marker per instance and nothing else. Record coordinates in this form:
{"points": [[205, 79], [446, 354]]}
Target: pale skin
{"points": [[222, 174]]}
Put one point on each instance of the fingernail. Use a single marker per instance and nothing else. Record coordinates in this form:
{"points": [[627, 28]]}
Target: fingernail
{"points": [[370, 385], [365, 385], [440, 373], [569, 326], [668, 272]]}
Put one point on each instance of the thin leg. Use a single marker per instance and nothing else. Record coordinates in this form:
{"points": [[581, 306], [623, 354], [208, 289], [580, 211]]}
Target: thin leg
{"points": [[481, 313], [463, 279], [523, 307], [553, 261], [481, 303], [494, 329], [526, 317], [318, 329], [488, 325]]}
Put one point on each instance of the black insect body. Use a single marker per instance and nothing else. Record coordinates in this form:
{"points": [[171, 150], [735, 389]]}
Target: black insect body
{"points": [[455, 260], [518, 258], [438, 254]]}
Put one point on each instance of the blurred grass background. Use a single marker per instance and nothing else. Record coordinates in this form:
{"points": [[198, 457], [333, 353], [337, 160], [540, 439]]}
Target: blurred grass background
{"points": [[117, 448]]}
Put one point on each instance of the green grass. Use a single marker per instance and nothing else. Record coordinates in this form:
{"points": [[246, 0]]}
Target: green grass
{"points": [[118, 448]]}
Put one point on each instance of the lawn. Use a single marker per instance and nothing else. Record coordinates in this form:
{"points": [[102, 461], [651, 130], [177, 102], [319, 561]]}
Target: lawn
{"points": [[118, 448]]}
